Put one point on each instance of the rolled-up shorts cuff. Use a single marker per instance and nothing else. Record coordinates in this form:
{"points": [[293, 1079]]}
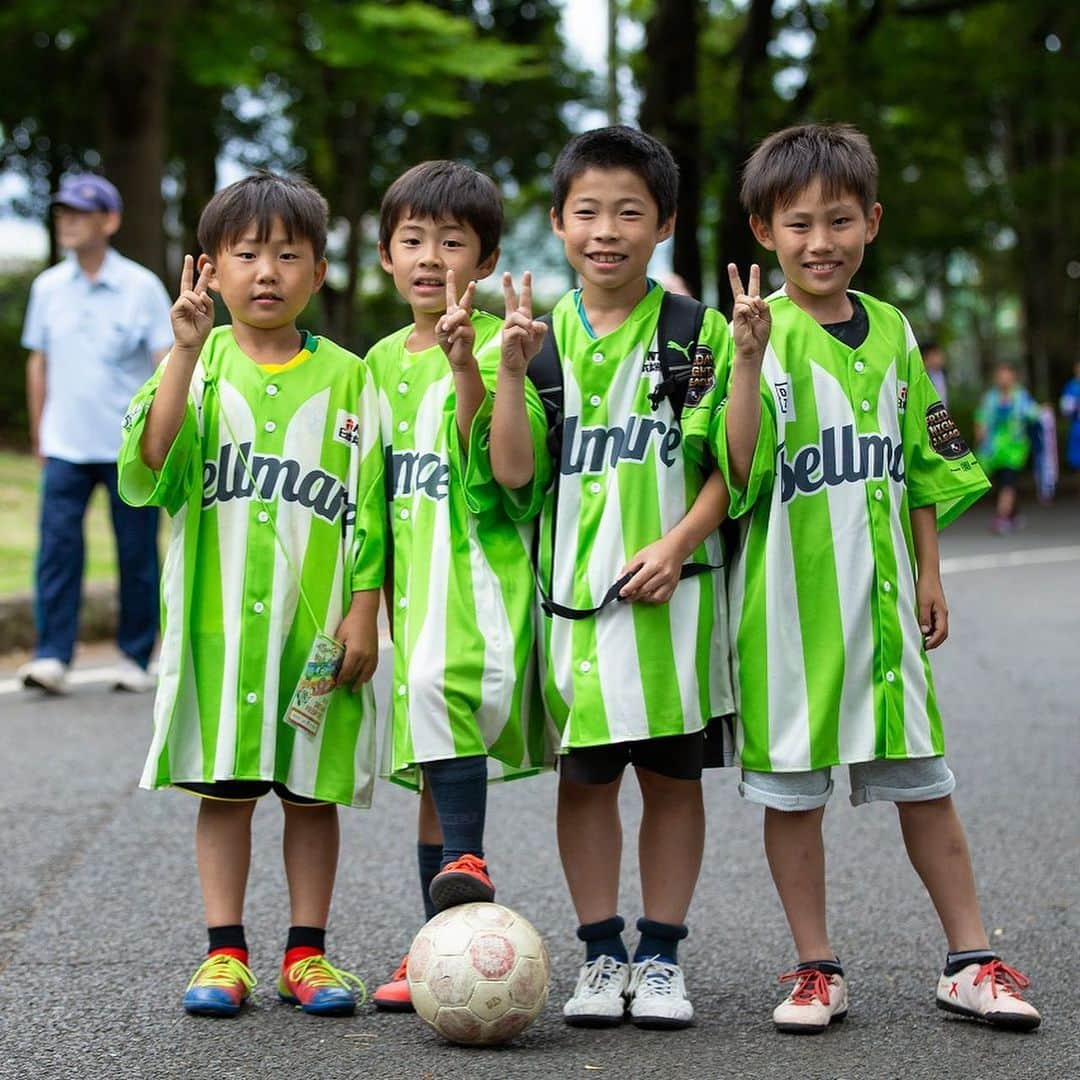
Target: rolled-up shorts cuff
{"points": [[787, 791], [909, 780]]}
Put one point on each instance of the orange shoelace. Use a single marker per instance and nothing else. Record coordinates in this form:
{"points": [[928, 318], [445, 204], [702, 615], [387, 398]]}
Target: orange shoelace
{"points": [[1001, 976], [809, 984], [400, 971], [471, 863]]}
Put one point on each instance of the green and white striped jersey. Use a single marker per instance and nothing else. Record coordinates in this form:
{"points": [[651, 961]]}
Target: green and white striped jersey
{"points": [[628, 474], [829, 657], [465, 678], [236, 632]]}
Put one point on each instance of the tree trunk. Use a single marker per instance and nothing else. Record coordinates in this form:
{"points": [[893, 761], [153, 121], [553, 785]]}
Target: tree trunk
{"points": [[135, 55], [670, 111]]}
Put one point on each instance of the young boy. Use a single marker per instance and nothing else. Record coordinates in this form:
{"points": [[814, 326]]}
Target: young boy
{"points": [[836, 592], [261, 441], [464, 685], [632, 683]]}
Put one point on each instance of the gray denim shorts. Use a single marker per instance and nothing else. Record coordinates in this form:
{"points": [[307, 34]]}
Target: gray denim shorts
{"points": [[884, 780]]}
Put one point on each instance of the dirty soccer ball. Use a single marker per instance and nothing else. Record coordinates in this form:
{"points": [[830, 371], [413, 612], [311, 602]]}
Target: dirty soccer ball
{"points": [[478, 973]]}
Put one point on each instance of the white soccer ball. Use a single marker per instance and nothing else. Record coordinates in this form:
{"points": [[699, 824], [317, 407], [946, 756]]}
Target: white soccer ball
{"points": [[478, 973]]}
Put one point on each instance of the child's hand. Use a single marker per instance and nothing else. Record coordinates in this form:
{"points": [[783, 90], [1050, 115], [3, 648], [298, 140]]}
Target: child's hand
{"points": [[359, 633], [656, 570], [933, 613], [193, 313], [751, 318], [455, 331], [522, 335]]}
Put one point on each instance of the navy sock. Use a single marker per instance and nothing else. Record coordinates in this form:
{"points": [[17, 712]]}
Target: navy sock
{"points": [[429, 860], [459, 790], [957, 961], [226, 937], [660, 940], [306, 937], [827, 967], [603, 939]]}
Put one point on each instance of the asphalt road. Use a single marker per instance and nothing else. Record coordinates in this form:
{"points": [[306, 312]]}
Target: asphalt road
{"points": [[100, 920]]}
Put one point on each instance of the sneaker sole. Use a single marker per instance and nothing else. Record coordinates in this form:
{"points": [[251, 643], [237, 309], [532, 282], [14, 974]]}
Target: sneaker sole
{"points": [[660, 1023], [1005, 1021], [592, 1020], [219, 1011], [809, 1029], [393, 1006], [319, 1010], [30, 683], [455, 889]]}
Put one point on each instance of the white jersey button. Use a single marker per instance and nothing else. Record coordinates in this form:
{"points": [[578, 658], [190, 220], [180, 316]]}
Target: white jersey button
{"points": [[595, 488], [264, 517], [402, 387], [402, 602], [887, 586], [269, 426], [879, 494], [402, 691], [859, 365], [585, 667], [865, 406], [403, 514], [403, 425], [258, 607], [252, 698], [595, 400], [890, 676], [598, 357], [272, 390]]}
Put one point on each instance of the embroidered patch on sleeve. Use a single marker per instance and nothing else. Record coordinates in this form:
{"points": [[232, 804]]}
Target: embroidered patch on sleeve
{"points": [[702, 375], [945, 437]]}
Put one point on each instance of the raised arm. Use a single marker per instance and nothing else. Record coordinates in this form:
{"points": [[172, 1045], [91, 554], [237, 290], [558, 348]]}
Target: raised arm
{"points": [[457, 336], [751, 322], [512, 460], [192, 320]]}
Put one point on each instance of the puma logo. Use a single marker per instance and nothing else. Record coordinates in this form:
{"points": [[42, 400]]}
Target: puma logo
{"points": [[684, 349]]}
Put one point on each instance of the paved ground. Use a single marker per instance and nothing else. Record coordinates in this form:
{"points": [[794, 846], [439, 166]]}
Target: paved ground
{"points": [[100, 916]]}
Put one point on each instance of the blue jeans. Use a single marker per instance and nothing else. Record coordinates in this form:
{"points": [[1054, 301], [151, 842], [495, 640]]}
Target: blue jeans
{"points": [[66, 489]]}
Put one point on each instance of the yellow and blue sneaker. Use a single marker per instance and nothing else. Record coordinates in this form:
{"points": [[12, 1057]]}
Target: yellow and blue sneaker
{"points": [[318, 987], [219, 987]]}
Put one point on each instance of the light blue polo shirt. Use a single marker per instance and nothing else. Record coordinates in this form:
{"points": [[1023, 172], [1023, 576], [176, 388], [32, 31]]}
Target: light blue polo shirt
{"points": [[98, 338]]}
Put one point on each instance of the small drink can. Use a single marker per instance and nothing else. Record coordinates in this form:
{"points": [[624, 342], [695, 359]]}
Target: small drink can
{"points": [[317, 683]]}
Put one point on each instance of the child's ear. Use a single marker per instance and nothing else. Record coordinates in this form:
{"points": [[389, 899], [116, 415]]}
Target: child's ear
{"points": [[384, 259], [320, 275], [666, 229], [485, 268], [762, 232], [212, 281], [873, 221], [556, 224]]}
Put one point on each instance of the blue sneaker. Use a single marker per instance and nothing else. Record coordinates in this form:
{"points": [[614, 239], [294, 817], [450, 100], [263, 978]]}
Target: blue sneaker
{"points": [[219, 987], [319, 988]]}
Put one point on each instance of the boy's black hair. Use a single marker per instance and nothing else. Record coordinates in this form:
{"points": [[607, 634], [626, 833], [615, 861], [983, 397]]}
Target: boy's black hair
{"points": [[444, 191], [618, 147], [789, 161], [260, 198]]}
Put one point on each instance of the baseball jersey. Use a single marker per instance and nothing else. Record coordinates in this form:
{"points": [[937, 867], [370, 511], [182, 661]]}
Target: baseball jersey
{"points": [[628, 473], [463, 622], [236, 629], [828, 653]]}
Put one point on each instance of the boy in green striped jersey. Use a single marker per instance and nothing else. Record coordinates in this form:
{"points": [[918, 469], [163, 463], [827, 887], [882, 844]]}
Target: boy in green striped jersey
{"points": [[631, 683], [836, 594], [465, 697], [261, 442]]}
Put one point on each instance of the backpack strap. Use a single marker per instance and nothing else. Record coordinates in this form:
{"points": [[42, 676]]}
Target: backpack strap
{"points": [[677, 332], [545, 372]]}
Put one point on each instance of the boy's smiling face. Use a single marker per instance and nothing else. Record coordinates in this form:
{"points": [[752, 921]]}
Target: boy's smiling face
{"points": [[420, 252], [819, 244], [610, 227], [266, 284]]}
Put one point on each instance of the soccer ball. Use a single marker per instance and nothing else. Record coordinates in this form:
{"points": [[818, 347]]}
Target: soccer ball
{"points": [[478, 973]]}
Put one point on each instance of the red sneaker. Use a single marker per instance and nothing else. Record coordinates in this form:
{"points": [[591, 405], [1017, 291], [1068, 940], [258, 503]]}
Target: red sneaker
{"points": [[394, 996], [320, 988], [464, 881]]}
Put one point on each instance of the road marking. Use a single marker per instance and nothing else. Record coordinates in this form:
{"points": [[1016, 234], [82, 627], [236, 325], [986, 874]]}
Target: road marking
{"points": [[963, 564]]}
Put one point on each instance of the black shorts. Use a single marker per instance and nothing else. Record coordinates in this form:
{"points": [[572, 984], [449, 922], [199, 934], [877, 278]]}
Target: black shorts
{"points": [[246, 791], [678, 757]]}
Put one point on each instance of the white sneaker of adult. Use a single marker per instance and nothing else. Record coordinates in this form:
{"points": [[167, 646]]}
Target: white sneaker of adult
{"points": [[127, 675], [990, 992], [658, 995], [45, 673], [817, 1000], [599, 999]]}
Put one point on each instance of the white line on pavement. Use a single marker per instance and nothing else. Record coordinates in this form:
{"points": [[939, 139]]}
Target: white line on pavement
{"points": [[962, 564]]}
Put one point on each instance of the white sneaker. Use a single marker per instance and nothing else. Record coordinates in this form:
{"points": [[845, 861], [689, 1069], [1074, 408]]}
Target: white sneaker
{"points": [[45, 673], [658, 995], [817, 1000], [599, 999], [989, 992], [127, 675]]}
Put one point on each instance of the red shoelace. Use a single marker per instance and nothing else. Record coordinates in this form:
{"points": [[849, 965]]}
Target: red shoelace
{"points": [[470, 863], [810, 984], [1001, 976]]}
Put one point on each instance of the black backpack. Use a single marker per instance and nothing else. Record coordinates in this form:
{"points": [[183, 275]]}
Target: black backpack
{"points": [[680, 321]]}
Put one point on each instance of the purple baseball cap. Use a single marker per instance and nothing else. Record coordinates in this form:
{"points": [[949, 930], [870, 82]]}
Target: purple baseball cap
{"points": [[88, 192]]}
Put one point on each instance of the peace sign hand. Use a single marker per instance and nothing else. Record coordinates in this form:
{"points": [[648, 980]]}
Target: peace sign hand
{"points": [[455, 331], [751, 318], [522, 335], [193, 313]]}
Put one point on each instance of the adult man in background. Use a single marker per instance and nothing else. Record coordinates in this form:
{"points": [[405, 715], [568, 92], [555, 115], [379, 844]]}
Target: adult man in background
{"points": [[96, 327]]}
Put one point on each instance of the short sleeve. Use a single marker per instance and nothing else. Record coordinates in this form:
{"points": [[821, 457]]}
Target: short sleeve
{"points": [[369, 535], [169, 487], [940, 468], [33, 334], [762, 468], [705, 394]]}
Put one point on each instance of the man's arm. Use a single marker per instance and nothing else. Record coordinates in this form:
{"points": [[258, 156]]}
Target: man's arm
{"points": [[35, 396], [751, 321], [512, 459], [929, 594]]}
